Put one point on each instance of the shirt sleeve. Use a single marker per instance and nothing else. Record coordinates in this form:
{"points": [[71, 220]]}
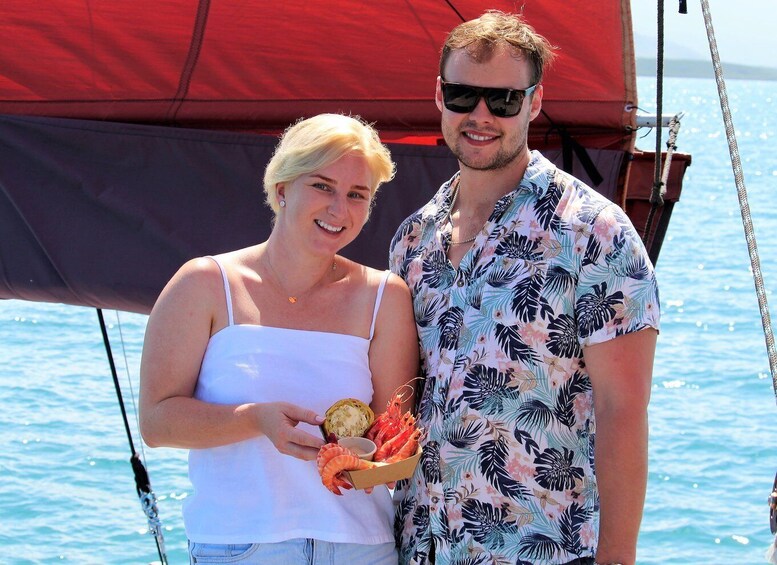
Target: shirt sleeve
{"points": [[617, 292], [396, 250]]}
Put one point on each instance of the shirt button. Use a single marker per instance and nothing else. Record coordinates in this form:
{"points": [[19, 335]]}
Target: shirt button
{"points": [[460, 283]]}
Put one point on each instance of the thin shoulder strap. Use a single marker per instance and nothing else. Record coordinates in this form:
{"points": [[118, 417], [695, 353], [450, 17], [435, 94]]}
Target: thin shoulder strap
{"points": [[227, 291], [377, 301]]}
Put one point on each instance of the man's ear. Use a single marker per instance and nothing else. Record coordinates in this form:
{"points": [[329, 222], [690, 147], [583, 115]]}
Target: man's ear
{"points": [[536, 102], [438, 94]]}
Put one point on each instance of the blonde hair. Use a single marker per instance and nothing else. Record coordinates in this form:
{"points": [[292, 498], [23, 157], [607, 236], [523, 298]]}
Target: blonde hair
{"points": [[481, 36], [314, 143]]}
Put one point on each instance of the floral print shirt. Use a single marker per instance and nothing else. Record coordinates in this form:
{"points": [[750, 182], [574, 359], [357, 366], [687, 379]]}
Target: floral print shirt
{"points": [[507, 472]]}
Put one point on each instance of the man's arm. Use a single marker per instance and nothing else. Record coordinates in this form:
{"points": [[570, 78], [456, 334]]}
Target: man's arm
{"points": [[621, 373]]}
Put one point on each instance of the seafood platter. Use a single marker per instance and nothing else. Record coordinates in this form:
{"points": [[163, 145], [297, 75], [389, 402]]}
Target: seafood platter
{"points": [[363, 450]]}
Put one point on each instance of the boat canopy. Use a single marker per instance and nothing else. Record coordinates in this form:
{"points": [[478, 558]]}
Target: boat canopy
{"points": [[133, 135]]}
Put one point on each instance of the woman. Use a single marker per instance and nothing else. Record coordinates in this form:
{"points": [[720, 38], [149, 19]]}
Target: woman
{"points": [[245, 351]]}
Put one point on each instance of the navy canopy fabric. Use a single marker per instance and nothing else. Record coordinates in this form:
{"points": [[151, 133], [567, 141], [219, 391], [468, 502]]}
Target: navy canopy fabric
{"points": [[102, 214]]}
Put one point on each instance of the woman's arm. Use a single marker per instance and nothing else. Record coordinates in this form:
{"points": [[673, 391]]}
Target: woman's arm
{"points": [[394, 353], [177, 335]]}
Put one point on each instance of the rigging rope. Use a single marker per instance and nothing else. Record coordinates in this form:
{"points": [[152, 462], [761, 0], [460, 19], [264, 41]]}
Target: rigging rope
{"points": [[747, 222], [660, 186], [736, 164], [142, 483], [659, 180], [674, 129], [656, 196], [129, 382]]}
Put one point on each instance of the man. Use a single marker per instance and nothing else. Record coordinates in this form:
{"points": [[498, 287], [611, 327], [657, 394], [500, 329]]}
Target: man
{"points": [[537, 310]]}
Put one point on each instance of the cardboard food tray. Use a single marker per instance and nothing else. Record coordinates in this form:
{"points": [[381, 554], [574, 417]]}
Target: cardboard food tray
{"points": [[384, 473]]}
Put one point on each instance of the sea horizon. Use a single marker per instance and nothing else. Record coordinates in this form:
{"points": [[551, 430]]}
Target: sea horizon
{"points": [[703, 68]]}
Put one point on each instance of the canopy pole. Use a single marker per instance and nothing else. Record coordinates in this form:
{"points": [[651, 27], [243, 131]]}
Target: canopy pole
{"points": [[142, 483]]}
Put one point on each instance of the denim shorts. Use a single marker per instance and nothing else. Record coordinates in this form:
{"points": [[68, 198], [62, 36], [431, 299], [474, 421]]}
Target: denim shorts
{"points": [[293, 552]]}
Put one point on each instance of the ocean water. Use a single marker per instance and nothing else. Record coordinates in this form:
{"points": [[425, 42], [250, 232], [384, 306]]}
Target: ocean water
{"points": [[67, 493]]}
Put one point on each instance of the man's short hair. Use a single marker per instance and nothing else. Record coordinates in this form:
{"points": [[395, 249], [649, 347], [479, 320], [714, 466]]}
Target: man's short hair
{"points": [[481, 36]]}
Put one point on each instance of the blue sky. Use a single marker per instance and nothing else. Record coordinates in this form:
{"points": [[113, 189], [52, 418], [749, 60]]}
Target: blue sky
{"points": [[745, 30]]}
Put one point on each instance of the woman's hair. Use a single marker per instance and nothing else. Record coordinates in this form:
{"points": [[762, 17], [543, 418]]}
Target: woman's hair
{"points": [[481, 36], [314, 143]]}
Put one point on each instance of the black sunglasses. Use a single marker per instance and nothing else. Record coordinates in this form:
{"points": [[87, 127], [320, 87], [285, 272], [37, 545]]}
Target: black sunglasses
{"points": [[502, 102]]}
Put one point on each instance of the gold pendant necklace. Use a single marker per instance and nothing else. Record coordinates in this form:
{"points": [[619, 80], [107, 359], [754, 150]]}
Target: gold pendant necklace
{"points": [[292, 299]]}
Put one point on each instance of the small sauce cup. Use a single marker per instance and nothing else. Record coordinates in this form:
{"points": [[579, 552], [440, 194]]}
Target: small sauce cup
{"points": [[361, 446]]}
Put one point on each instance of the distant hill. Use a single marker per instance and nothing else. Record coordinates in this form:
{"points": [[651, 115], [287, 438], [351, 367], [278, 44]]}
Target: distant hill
{"points": [[695, 68]]}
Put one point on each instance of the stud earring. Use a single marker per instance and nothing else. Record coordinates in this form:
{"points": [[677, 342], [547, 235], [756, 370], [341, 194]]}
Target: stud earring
{"points": [[282, 203]]}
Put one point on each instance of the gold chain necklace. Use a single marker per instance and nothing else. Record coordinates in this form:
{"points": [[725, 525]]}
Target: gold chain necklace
{"points": [[450, 220], [291, 298]]}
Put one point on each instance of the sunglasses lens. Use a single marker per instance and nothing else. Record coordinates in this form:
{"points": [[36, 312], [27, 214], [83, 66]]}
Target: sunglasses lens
{"points": [[462, 99], [497, 102], [459, 98]]}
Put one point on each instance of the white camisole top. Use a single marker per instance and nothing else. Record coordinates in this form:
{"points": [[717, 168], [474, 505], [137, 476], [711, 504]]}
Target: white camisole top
{"points": [[248, 492]]}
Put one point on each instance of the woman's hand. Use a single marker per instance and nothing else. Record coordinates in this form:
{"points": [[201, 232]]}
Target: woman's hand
{"points": [[278, 421]]}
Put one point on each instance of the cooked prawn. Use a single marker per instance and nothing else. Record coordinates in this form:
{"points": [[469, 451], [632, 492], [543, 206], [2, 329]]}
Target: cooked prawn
{"points": [[391, 422], [393, 445], [332, 460], [408, 449], [325, 454]]}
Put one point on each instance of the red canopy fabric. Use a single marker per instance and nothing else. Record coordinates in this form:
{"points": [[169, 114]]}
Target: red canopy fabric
{"points": [[258, 66], [111, 175]]}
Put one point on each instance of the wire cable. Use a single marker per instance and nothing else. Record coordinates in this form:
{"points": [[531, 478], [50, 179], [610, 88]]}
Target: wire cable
{"points": [[142, 482]]}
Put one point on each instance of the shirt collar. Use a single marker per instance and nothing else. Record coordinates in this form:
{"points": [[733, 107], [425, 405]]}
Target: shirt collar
{"points": [[539, 172], [536, 180]]}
